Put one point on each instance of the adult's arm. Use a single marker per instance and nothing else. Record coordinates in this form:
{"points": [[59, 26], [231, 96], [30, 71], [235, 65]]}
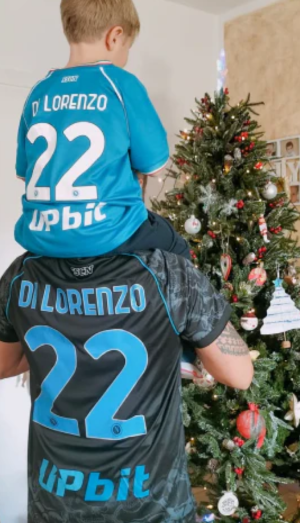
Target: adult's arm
{"points": [[207, 330], [13, 361], [228, 360]]}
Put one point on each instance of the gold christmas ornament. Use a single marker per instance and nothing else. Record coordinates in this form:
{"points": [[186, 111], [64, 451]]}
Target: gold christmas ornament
{"points": [[254, 355], [228, 162]]}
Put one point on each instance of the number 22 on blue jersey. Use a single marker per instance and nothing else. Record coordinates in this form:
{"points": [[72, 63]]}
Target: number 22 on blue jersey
{"points": [[100, 422]]}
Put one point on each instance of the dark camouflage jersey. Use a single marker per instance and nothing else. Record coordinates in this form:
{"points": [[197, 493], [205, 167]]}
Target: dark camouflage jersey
{"points": [[103, 338]]}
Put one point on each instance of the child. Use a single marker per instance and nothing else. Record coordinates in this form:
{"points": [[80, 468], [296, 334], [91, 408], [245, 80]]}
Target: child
{"points": [[85, 133]]}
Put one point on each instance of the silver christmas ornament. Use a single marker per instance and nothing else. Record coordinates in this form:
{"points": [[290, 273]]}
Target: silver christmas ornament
{"points": [[270, 191], [250, 258], [228, 504], [229, 444]]}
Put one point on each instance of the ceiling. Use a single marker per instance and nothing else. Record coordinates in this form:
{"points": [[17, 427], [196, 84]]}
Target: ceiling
{"points": [[213, 6]]}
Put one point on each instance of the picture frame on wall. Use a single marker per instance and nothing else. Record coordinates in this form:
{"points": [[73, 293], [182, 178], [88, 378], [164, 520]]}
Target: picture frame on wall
{"points": [[284, 157]]}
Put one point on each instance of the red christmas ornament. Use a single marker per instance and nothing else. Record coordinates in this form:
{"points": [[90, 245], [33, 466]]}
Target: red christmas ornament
{"points": [[240, 204], [246, 520], [256, 513], [212, 235], [235, 298], [239, 471], [179, 196], [259, 276], [239, 442], [181, 161], [259, 166], [251, 424], [226, 91]]}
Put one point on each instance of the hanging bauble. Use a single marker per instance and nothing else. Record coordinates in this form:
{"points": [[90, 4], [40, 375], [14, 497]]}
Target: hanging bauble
{"points": [[228, 504], [192, 225], [249, 322], [250, 258], [251, 424], [203, 379], [237, 154], [226, 266], [270, 191], [228, 162], [229, 444], [294, 412], [263, 228], [259, 276]]}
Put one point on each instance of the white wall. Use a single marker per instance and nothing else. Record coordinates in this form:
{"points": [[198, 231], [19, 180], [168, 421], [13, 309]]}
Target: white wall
{"points": [[175, 57]]}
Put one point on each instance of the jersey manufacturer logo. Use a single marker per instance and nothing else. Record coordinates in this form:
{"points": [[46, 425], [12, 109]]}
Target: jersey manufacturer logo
{"points": [[69, 79], [82, 272]]}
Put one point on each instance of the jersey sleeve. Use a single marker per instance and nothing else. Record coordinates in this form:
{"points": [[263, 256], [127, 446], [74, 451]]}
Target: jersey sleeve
{"points": [[198, 312], [21, 161], [149, 148], [7, 331], [207, 311]]}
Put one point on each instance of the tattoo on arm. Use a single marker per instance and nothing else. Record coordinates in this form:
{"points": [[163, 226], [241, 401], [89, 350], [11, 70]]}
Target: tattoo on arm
{"points": [[230, 342]]}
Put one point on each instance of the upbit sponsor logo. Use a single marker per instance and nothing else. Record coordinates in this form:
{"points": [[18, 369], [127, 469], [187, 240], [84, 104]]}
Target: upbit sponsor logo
{"points": [[96, 489], [66, 218]]}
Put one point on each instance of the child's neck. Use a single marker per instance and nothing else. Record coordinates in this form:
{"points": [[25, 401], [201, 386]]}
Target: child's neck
{"points": [[85, 53]]}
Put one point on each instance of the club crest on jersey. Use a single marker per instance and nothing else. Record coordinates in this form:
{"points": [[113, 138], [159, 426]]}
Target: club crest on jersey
{"points": [[82, 272]]}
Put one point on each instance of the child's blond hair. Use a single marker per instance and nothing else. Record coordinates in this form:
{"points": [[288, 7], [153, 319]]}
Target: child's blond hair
{"points": [[87, 20]]}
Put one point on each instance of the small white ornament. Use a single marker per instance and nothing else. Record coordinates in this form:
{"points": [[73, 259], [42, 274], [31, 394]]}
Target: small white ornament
{"points": [[270, 191], [192, 225], [294, 413], [249, 321], [228, 504], [229, 444]]}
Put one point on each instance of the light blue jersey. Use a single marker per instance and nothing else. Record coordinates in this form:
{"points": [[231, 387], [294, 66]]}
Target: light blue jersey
{"points": [[83, 134]]}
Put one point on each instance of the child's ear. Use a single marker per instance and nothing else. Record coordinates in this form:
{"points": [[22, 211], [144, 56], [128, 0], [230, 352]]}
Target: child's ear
{"points": [[113, 37]]}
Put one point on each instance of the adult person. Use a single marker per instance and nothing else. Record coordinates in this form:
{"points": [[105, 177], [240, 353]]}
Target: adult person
{"points": [[103, 339]]}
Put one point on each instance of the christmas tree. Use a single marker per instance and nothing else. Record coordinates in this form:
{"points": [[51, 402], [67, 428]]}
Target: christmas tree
{"points": [[228, 204]]}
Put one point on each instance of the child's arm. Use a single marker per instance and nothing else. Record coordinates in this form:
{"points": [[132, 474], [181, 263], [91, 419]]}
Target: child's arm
{"points": [[149, 150], [21, 161]]}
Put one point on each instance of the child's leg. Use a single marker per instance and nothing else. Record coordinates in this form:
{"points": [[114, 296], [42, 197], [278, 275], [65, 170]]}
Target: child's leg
{"points": [[156, 233]]}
